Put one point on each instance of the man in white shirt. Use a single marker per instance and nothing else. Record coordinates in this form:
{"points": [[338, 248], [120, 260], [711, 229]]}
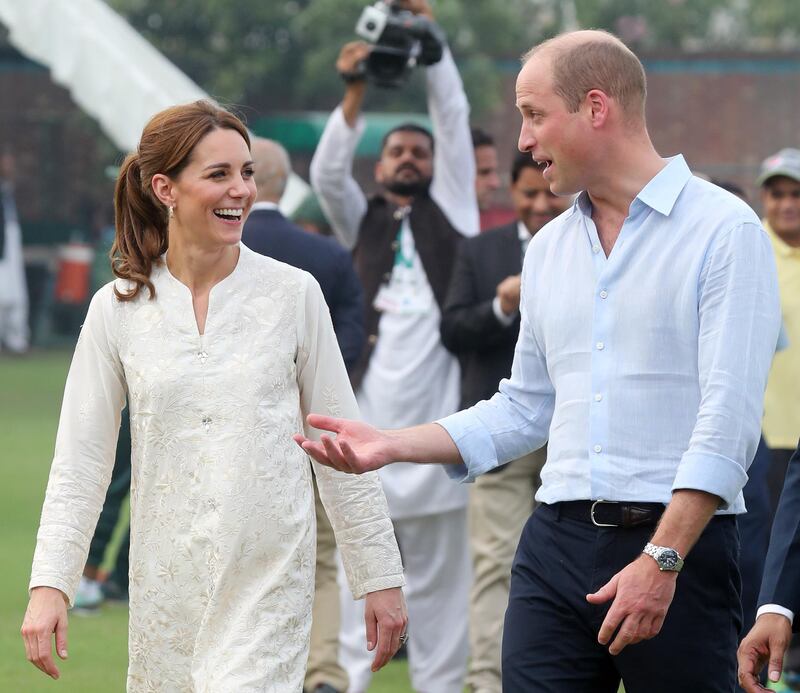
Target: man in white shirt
{"points": [[649, 318], [404, 243]]}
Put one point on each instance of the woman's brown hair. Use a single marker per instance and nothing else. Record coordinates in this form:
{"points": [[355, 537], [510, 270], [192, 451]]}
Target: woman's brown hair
{"points": [[141, 220]]}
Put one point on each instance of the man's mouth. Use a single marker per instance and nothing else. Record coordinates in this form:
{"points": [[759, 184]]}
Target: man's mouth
{"points": [[229, 213], [545, 164]]}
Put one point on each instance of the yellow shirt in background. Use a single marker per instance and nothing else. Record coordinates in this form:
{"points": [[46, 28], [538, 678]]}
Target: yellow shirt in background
{"points": [[782, 399]]}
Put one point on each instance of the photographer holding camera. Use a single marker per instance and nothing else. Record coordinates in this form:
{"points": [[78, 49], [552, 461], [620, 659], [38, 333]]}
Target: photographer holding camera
{"points": [[404, 241]]}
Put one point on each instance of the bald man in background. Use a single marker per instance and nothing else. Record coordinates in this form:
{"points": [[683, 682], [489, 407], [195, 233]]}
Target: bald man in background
{"points": [[269, 232]]}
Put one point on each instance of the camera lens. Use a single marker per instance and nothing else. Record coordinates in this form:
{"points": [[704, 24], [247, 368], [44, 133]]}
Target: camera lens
{"points": [[370, 26]]}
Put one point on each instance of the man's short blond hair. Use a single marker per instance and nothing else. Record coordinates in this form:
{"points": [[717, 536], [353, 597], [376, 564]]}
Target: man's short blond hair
{"points": [[594, 59]]}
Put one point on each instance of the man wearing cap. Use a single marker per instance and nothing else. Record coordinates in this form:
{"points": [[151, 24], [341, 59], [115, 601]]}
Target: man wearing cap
{"points": [[780, 198]]}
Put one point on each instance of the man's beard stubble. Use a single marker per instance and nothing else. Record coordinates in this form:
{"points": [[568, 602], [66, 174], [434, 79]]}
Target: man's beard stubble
{"points": [[409, 189]]}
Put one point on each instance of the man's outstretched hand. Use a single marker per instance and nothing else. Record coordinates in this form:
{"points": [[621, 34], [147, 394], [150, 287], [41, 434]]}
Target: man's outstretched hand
{"points": [[357, 447]]}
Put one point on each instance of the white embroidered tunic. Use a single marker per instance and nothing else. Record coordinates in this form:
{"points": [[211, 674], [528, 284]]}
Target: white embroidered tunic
{"points": [[222, 508]]}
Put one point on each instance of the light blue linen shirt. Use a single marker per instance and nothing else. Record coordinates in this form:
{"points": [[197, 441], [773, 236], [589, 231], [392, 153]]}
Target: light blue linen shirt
{"points": [[644, 371]]}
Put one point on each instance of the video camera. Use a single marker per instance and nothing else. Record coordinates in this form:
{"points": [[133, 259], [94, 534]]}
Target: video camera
{"points": [[401, 41]]}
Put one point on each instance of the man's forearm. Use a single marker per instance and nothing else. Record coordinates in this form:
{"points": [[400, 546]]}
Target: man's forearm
{"points": [[685, 518], [352, 102], [425, 443]]}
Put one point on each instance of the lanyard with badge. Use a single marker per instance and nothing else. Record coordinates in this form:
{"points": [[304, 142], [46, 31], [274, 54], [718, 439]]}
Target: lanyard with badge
{"points": [[407, 291]]}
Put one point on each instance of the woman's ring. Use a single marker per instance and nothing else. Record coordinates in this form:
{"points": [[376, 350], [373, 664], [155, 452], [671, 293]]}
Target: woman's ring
{"points": [[403, 638]]}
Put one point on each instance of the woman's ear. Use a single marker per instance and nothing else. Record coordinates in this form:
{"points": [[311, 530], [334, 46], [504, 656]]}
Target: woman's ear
{"points": [[163, 189]]}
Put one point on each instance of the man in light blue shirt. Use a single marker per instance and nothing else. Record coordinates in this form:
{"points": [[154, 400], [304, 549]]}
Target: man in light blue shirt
{"points": [[649, 318]]}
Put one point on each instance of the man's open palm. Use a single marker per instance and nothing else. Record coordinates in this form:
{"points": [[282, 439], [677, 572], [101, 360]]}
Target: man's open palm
{"points": [[357, 447]]}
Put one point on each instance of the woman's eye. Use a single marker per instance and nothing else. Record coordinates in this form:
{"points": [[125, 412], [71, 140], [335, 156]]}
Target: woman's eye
{"points": [[248, 173]]}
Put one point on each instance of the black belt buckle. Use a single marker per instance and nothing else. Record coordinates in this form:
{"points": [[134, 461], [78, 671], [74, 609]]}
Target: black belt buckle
{"points": [[591, 513]]}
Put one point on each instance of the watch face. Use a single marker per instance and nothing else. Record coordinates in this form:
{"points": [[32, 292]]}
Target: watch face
{"points": [[668, 559]]}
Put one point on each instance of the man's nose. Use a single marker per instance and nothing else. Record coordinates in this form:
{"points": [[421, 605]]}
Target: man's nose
{"points": [[526, 140]]}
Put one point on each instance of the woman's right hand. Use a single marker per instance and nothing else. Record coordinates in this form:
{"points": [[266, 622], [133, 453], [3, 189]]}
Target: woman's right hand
{"points": [[46, 614]]}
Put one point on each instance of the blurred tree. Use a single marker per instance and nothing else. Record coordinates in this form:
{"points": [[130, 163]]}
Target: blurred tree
{"points": [[278, 55]]}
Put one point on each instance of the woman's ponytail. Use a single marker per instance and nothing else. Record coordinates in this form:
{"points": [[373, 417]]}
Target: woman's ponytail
{"points": [[141, 230]]}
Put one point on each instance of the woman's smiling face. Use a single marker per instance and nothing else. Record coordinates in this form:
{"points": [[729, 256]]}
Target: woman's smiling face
{"points": [[213, 194]]}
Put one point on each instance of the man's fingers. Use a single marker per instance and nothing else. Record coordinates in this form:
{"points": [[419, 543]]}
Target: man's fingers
{"points": [[606, 592], [775, 666], [350, 457], [334, 453], [610, 624], [628, 634], [315, 451], [325, 423]]}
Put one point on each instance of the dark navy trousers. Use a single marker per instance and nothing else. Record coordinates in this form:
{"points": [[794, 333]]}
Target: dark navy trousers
{"points": [[550, 636]]}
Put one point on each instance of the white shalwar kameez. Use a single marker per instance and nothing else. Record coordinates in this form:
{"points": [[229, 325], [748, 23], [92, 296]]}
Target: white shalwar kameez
{"points": [[412, 379], [222, 507]]}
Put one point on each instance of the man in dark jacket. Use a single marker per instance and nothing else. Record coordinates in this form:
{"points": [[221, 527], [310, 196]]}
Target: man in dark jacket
{"points": [[480, 324], [270, 233], [780, 590]]}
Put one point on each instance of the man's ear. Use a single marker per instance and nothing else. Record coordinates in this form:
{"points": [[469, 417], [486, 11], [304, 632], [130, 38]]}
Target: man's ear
{"points": [[378, 172], [597, 103], [163, 188]]}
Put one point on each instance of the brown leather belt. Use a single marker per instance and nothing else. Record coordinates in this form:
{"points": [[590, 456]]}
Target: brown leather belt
{"points": [[602, 513]]}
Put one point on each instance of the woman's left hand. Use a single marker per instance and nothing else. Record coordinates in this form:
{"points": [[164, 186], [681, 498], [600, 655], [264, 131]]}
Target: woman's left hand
{"points": [[386, 620]]}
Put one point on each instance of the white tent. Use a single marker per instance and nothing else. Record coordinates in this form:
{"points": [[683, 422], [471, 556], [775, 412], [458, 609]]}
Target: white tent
{"points": [[110, 70]]}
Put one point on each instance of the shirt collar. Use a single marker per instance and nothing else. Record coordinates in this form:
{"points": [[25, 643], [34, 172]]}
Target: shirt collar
{"points": [[523, 233], [263, 205], [660, 193]]}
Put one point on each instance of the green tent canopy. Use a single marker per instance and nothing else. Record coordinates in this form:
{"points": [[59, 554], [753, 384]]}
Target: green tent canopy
{"points": [[300, 132]]}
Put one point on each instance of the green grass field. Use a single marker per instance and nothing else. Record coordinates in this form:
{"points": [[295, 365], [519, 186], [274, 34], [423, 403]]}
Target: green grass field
{"points": [[30, 397]]}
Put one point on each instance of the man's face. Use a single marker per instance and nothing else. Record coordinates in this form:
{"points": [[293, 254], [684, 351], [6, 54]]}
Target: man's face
{"points": [[533, 202], [552, 134], [487, 181], [406, 163], [780, 197]]}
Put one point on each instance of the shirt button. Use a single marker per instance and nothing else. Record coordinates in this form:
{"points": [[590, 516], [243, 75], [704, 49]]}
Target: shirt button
{"points": [[595, 248], [604, 294], [207, 423], [598, 397], [598, 448], [600, 346]]}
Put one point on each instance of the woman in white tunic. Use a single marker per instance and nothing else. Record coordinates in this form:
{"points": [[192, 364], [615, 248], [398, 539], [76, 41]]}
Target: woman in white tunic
{"points": [[221, 352]]}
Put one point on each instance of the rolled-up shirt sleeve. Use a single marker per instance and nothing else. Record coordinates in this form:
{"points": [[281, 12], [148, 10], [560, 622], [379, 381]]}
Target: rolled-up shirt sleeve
{"points": [[739, 322], [516, 420]]}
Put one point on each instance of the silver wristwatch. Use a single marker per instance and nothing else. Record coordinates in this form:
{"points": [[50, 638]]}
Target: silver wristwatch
{"points": [[666, 558]]}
